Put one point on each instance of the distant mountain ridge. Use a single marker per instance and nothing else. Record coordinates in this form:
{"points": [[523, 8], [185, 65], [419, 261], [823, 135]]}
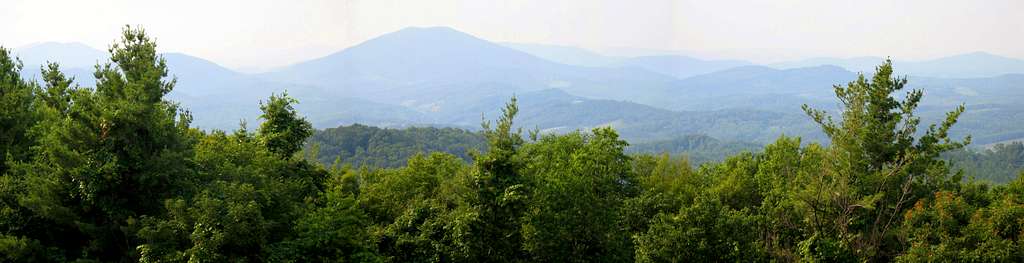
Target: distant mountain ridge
{"points": [[968, 65], [680, 66], [442, 77]]}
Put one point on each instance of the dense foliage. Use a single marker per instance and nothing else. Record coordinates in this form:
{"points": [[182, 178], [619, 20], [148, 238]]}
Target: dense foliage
{"points": [[115, 173]]}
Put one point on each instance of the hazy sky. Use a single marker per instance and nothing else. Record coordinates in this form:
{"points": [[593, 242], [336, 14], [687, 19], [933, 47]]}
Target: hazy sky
{"points": [[252, 34]]}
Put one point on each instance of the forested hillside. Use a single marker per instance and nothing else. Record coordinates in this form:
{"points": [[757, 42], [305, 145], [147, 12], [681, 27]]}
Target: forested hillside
{"points": [[361, 145], [1000, 164], [697, 148], [115, 172], [367, 146]]}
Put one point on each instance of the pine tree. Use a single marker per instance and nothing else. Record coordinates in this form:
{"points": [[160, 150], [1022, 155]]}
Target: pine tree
{"points": [[876, 167], [113, 155]]}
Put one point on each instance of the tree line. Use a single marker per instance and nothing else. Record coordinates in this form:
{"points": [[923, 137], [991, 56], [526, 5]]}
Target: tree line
{"points": [[361, 146], [115, 173]]}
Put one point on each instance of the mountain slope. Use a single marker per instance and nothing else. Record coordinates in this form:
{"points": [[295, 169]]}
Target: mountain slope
{"points": [[438, 68], [566, 54], [220, 98], [680, 66]]}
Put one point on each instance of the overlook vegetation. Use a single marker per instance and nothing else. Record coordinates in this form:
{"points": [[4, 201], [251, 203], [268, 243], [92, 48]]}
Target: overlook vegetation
{"points": [[116, 173]]}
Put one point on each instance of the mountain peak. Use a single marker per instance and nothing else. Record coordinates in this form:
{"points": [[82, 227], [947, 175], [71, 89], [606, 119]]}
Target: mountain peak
{"points": [[69, 54], [427, 34], [418, 53], [434, 29]]}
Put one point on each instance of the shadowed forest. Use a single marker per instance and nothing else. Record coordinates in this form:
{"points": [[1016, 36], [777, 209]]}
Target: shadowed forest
{"points": [[115, 173]]}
